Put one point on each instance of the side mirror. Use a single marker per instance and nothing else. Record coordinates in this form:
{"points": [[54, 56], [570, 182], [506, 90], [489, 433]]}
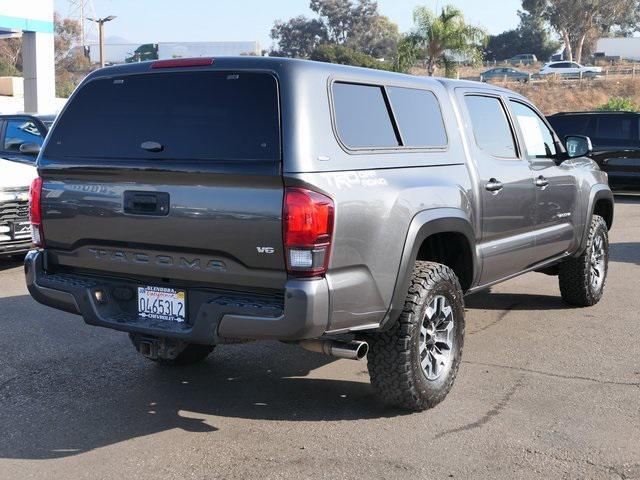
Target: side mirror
{"points": [[578, 146], [30, 148]]}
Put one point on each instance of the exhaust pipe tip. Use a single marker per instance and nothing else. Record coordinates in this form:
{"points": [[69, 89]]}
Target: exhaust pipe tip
{"points": [[354, 350]]}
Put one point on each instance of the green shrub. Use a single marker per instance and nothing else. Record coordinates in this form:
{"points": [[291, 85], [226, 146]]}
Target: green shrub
{"points": [[619, 104], [8, 70]]}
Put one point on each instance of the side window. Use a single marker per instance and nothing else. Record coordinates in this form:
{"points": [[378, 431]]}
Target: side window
{"points": [[616, 128], [490, 126], [538, 139], [569, 124], [362, 116], [418, 116], [20, 131]]}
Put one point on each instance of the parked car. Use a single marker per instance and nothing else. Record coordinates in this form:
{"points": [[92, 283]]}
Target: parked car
{"points": [[569, 70], [20, 139], [523, 59], [502, 73], [343, 209], [22, 135], [616, 142]]}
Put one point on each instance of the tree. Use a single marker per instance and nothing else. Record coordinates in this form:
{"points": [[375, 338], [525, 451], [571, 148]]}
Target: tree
{"points": [[531, 36], [445, 38], [298, 37], [353, 24], [146, 51], [578, 22], [346, 56], [67, 35], [11, 53], [379, 39]]}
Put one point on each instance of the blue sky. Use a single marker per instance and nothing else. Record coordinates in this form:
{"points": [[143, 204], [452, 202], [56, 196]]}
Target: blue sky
{"points": [[216, 20]]}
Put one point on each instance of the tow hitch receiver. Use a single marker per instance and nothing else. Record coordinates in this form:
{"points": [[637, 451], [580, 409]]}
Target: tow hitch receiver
{"points": [[158, 348]]}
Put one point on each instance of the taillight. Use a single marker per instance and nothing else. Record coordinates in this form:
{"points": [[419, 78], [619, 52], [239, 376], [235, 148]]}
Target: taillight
{"points": [[308, 230], [35, 212]]}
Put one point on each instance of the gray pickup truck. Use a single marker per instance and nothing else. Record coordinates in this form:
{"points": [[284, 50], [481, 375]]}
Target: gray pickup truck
{"points": [[196, 202]]}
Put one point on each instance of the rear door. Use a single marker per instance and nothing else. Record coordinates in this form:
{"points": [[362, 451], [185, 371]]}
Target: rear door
{"points": [[171, 176], [506, 188], [556, 185]]}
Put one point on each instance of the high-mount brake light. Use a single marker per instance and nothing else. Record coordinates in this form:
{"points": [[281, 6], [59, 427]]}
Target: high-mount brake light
{"points": [[183, 62], [35, 212], [308, 229]]}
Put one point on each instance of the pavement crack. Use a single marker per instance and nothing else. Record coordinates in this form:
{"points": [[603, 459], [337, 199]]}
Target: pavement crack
{"points": [[487, 417], [555, 375], [501, 317]]}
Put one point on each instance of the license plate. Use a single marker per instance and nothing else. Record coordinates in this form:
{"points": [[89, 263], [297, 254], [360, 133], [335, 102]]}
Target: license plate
{"points": [[162, 303]]}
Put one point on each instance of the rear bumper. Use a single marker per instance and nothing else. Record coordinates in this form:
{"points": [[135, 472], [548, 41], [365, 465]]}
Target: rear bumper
{"points": [[213, 316], [14, 248]]}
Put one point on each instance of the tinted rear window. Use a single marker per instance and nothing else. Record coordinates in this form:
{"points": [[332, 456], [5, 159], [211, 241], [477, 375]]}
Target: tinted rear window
{"points": [[362, 116], [615, 128], [419, 117], [195, 115], [569, 124]]}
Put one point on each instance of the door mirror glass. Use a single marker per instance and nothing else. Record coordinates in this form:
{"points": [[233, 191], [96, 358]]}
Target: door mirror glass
{"points": [[578, 146], [30, 148]]}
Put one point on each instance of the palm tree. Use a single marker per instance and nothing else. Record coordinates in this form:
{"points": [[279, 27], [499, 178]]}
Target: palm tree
{"points": [[440, 39]]}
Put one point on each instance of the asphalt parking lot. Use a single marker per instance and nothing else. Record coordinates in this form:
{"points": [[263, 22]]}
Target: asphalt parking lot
{"points": [[545, 391]]}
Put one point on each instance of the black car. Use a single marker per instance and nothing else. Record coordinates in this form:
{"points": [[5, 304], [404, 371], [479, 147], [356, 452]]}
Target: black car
{"points": [[21, 136], [616, 142]]}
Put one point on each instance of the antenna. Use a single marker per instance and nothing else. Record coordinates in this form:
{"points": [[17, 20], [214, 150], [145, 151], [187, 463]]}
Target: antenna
{"points": [[79, 10]]}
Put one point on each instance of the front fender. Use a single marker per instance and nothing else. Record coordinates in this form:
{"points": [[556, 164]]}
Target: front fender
{"points": [[423, 225], [597, 192]]}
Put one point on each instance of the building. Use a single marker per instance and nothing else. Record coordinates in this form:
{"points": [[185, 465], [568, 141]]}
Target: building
{"points": [[627, 48], [126, 52], [33, 21]]}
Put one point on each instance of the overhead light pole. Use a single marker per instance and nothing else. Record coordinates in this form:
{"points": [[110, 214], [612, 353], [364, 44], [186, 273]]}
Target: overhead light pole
{"points": [[101, 22]]}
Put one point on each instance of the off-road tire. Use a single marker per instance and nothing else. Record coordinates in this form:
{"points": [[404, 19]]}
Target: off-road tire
{"points": [[394, 358], [575, 274], [193, 353]]}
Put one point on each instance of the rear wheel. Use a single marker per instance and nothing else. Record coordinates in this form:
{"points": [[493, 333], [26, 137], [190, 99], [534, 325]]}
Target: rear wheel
{"points": [[583, 278], [413, 365]]}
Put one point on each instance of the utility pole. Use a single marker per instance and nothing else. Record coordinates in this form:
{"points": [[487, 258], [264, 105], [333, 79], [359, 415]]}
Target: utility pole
{"points": [[82, 25], [101, 22]]}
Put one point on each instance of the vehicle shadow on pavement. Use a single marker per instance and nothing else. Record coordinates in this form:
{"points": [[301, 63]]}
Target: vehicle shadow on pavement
{"points": [[81, 398], [514, 301], [9, 263], [625, 252]]}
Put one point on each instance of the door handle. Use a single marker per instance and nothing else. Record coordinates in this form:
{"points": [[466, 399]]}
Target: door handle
{"points": [[146, 203], [494, 185], [541, 182]]}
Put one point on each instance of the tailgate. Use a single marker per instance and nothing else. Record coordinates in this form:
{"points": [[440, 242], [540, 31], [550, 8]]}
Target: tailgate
{"points": [[172, 176]]}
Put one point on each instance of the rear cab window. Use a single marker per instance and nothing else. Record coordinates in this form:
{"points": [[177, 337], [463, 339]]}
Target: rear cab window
{"points": [[387, 117], [491, 127], [215, 116]]}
